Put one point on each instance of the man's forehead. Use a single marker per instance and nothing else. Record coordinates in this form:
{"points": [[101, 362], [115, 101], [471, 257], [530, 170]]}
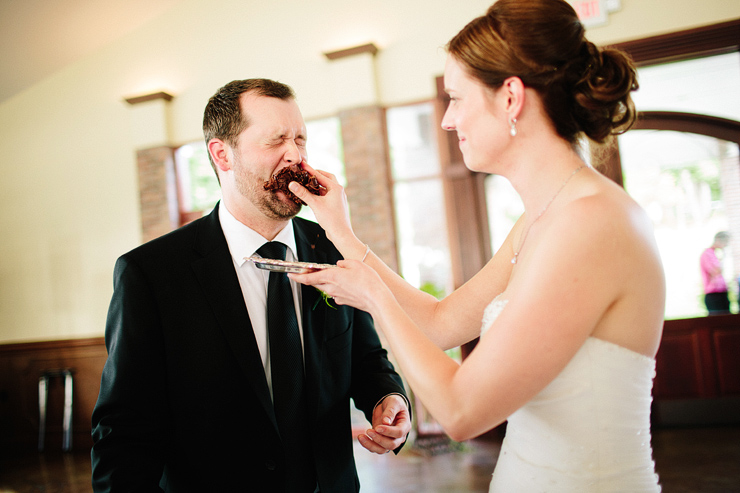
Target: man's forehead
{"points": [[252, 99], [273, 116]]}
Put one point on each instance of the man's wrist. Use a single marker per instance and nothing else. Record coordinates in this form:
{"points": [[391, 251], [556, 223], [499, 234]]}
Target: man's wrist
{"points": [[406, 400]]}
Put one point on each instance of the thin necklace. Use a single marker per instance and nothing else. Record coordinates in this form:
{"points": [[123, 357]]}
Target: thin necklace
{"points": [[526, 233]]}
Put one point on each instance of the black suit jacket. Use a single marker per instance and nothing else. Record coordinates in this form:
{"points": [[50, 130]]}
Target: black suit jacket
{"points": [[184, 403]]}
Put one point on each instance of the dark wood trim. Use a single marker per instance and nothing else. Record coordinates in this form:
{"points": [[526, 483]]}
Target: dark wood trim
{"points": [[355, 50], [150, 97], [50, 345], [467, 218], [711, 126], [701, 41], [465, 198]]}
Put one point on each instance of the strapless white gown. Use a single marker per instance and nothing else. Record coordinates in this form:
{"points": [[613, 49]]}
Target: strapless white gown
{"points": [[587, 431]]}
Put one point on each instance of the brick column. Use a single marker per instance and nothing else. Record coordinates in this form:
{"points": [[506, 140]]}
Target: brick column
{"points": [[367, 168], [157, 191], [155, 158]]}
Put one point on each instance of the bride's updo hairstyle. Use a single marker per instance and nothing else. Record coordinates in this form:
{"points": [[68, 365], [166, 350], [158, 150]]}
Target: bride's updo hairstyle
{"points": [[583, 89]]}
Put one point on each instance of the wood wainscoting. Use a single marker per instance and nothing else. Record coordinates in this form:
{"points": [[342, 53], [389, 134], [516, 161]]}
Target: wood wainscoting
{"points": [[697, 378], [697, 382], [21, 365]]}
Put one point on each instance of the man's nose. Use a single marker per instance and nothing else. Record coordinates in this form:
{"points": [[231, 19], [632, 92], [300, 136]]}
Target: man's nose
{"points": [[292, 153]]}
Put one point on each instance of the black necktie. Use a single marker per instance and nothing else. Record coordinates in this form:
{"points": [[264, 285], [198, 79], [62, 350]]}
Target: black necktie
{"points": [[286, 363]]}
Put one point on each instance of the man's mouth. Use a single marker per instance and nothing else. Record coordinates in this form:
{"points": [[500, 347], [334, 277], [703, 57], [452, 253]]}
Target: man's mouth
{"points": [[280, 180]]}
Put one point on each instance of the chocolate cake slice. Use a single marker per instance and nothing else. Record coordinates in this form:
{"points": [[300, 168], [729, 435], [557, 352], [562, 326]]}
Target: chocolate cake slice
{"points": [[294, 172]]}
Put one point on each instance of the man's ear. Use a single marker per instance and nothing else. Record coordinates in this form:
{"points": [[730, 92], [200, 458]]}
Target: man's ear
{"points": [[514, 92], [219, 152]]}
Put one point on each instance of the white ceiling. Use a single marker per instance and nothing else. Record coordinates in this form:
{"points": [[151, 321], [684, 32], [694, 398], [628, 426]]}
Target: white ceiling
{"points": [[40, 37]]}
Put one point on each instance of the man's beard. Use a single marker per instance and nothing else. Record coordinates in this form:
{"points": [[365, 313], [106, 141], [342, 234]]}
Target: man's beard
{"points": [[251, 186]]}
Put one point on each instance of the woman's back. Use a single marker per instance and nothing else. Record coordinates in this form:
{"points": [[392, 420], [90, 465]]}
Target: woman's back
{"points": [[613, 241]]}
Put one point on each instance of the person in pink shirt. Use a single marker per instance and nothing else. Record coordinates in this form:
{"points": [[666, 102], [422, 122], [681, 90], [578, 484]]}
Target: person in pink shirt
{"points": [[715, 287]]}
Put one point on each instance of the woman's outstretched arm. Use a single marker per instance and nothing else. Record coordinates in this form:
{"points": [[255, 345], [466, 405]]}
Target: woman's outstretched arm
{"points": [[449, 322]]}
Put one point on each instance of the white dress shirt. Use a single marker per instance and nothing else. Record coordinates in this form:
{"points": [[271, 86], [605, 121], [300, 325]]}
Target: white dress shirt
{"points": [[244, 242]]}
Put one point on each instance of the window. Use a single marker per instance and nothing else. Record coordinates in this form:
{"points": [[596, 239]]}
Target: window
{"points": [[504, 208], [689, 183], [421, 223], [198, 189], [325, 151], [419, 206], [683, 181], [707, 85]]}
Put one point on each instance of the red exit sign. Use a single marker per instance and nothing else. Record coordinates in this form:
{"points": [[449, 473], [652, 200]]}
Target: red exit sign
{"points": [[588, 9], [594, 12]]}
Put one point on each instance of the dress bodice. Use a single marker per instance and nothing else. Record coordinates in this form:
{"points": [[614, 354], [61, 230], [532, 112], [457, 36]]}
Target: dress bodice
{"points": [[588, 430]]}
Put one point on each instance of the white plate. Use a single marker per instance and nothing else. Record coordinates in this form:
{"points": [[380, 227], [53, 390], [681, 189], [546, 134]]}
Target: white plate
{"points": [[286, 266]]}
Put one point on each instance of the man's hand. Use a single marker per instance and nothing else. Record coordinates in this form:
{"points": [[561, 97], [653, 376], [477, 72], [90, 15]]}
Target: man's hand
{"points": [[391, 425]]}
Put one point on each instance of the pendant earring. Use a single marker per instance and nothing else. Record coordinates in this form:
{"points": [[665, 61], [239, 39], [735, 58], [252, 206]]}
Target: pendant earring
{"points": [[512, 125]]}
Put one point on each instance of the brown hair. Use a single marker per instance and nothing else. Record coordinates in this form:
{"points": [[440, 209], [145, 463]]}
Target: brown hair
{"points": [[223, 117], [583, 89]]}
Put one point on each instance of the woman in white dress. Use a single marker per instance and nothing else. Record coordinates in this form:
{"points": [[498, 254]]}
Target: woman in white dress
{"points": [[572, 303]]}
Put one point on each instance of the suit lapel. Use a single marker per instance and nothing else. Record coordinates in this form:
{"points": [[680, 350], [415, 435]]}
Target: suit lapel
{"points": [[215, 271]]}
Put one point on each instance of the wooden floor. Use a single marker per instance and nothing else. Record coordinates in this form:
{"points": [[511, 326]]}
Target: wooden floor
{"points": [[687, 460]]}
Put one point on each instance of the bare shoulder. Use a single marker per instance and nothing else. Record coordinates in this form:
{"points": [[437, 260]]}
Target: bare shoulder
{"points": [[604, 232], [615, 239], [606, 213]]}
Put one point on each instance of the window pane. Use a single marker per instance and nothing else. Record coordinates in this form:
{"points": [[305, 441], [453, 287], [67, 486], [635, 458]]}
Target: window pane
{"points": [[689, 185], [197, 183], [324, 146], [706, 86], [421, 229], [504, 208], [421, 223], [325, 152], [412, 140]]}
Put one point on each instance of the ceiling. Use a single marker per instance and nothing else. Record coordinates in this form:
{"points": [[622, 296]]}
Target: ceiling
{"points": [[41, 37]]}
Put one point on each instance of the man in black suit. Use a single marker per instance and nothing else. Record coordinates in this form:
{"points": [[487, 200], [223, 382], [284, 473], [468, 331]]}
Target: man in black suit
{"points": [[186, 398]]}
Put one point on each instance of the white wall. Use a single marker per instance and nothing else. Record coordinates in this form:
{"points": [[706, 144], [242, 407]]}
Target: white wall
{"points": [[68, 194]]}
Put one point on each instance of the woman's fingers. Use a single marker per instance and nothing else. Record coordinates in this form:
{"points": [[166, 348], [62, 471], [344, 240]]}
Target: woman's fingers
{"points": [[301, 192], [325, 179]]}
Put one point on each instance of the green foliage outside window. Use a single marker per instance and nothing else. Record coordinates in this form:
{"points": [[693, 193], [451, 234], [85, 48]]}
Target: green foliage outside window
{"points": [[204, 188]]}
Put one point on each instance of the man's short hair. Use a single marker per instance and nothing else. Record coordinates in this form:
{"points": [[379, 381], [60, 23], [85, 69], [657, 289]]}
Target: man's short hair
{"points": [[223, 117]]}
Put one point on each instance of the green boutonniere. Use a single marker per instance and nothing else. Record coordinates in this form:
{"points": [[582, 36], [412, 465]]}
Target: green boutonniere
{"points": [[324, 297]]}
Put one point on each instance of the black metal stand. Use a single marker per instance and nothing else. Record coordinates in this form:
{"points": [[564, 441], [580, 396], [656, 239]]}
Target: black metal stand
{"points": [[66, 373]]}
